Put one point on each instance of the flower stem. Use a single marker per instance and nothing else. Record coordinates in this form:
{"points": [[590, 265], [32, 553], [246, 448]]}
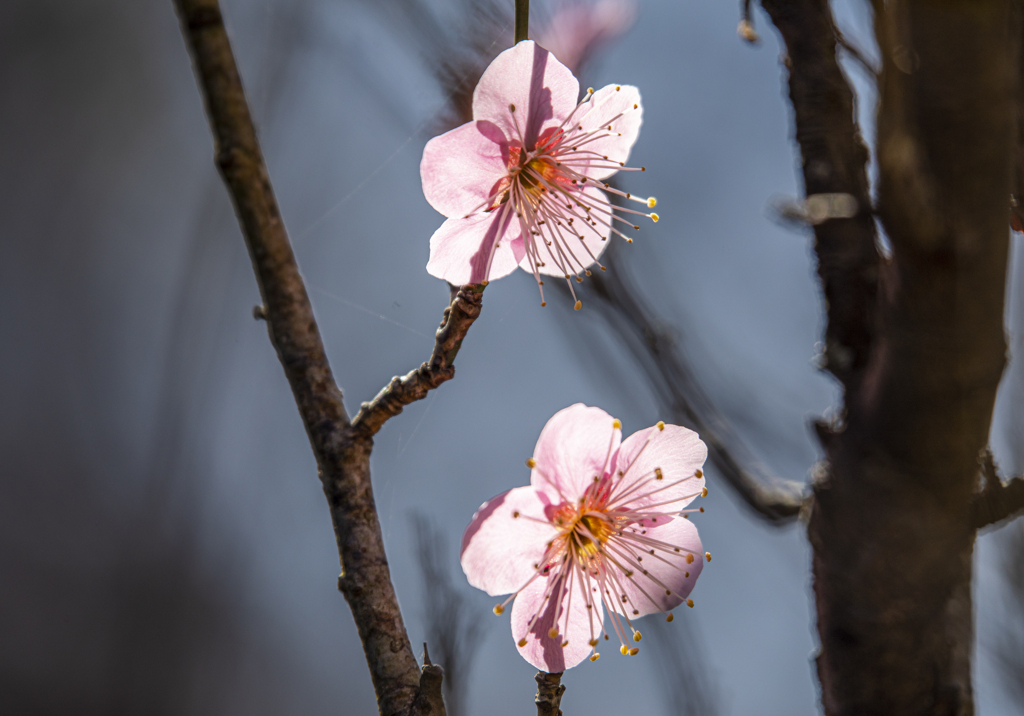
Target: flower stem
{"points": [[522, 20]]}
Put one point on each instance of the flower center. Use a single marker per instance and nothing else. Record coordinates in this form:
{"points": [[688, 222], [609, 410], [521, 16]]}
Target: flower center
{"points": [[589, 533]]}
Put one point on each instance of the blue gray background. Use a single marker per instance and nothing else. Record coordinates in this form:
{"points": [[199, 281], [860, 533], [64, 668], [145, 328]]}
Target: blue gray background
{"points": [[162, 529]]}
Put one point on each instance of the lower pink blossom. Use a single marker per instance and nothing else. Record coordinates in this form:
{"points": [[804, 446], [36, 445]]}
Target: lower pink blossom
{"points": [[601, 528]]}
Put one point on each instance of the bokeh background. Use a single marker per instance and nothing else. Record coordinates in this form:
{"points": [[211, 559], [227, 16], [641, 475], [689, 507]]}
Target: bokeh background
{"points": [[165, 547]]}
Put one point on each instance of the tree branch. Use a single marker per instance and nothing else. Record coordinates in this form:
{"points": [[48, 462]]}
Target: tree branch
{"points": [[643, 333], [342, 450], [834, 162], [458, 317], [549, 693], [522, 21], [997, 500]]}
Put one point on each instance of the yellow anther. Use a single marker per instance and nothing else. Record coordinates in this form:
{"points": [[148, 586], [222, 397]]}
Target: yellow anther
{"points": [[654, 217], [704, 492], [652, 202], [689, 603], [498, 609], [624, 650], [637, 636], [699, 473], [661, 425], [689, 559], [522, 642], [618, 87], [708, 556], [531, 463], [658, 474], [543, 303], [553, 632], [578, 306], [670, 617], [593, 642], [617, 424], [590, 90], [595, 657], [634, 651]]}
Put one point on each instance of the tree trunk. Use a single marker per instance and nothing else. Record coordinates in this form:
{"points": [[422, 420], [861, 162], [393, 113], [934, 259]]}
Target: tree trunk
{"points": [[891, 526]]}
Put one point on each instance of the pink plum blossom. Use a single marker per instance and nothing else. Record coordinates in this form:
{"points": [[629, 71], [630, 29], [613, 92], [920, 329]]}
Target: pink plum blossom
{"points": [[523, 183], [601, 527]]}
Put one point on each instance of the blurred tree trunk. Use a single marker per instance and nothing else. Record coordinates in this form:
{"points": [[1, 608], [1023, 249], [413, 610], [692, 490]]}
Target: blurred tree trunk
{"points": [[916, 339]]}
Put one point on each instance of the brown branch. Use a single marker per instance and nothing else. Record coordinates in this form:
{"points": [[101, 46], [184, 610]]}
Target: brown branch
{"points": [[639, 328], [834, 162], [549, 693], [458, 317], [997, 500], [342, 450], [522, 20], [903, 472]]}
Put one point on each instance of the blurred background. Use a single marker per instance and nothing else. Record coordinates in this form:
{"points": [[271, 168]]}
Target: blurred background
{"points": [[165, 547]]}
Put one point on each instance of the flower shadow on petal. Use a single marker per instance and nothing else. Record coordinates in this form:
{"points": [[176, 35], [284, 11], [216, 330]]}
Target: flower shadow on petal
{"points": [[541, 107]]}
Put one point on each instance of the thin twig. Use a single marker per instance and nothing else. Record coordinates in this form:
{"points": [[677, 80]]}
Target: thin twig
{"points": [[342, 450], [458, 317], [997, 500], [549, 693], [855, 52], [522, 20]]}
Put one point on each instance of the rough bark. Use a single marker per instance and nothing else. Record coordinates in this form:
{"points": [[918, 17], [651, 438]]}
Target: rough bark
{"points": [[342, 449], [892, 526], [549, 693], [834, 162], [919, 349]]}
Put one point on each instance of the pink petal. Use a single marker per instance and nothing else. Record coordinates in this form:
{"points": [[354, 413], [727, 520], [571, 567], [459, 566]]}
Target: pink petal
{"points": [[498, 549], [606, 104], [579, 254], [542, 89], [459, 249], [461, 167], [677, 452], [576, 624], [666, 571], [574, 448]]}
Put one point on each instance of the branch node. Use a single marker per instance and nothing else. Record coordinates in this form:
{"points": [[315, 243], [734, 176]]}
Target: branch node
{"points": [[746, 29], [429, 700], [997, 501]]}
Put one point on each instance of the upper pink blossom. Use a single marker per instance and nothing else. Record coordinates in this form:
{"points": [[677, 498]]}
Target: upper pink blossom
{"points": [[600, 527], [521, 184]]}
